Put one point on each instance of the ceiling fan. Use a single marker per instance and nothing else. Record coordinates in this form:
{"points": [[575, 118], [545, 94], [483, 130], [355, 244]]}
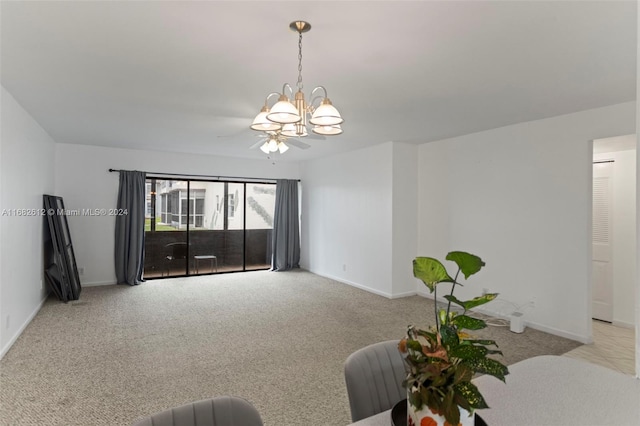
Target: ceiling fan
{"points": [[272, 141]]}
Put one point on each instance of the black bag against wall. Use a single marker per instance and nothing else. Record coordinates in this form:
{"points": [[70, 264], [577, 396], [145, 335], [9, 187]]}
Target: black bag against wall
{"points": [[60, 268]]}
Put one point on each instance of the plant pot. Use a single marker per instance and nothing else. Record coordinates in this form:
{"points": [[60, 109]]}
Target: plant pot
{"points": [[426, 417]]}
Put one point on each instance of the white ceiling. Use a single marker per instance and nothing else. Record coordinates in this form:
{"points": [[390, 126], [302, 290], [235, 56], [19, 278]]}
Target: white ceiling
{"points": [[174, 76]]}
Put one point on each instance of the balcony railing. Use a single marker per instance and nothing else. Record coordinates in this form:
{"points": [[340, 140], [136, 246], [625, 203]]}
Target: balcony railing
{"points": [[234, 250]]}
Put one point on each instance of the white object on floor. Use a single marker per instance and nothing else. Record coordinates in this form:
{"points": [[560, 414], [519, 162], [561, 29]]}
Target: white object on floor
{"points": [[517, 322]]}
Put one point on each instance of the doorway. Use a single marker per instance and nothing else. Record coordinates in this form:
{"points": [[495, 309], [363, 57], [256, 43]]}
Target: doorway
{"points": [[602, 262], [614, 230]]}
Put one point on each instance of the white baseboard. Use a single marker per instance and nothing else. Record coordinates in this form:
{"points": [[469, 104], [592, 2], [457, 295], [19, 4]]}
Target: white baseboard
{"points": [[623, 324], [567, 335], [10, 343], [401, 295], [534, 325], [356, 285], [366, 288], [97, 283]]}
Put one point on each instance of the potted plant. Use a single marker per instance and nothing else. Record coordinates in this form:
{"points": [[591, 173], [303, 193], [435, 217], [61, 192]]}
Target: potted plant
{"points": [[442, 361]]}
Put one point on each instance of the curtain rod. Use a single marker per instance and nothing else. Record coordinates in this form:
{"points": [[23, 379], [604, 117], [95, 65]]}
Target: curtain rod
{"points": [[205, 176], [604, 161]]}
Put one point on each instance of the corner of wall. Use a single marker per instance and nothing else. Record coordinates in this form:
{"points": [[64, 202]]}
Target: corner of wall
{"points": [[22, 286], [404, 201]]}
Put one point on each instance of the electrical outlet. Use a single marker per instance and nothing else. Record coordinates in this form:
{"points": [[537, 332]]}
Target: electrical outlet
{"points": [[81, 271], [344, 267], [7, 322], [533, 302]]}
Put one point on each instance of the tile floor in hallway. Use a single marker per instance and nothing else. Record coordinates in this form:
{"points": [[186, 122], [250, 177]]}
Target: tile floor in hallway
{"points": [[613, 347]]}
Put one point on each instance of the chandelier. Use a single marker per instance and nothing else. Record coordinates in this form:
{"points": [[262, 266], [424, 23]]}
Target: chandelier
{"points": [[289, 119]]}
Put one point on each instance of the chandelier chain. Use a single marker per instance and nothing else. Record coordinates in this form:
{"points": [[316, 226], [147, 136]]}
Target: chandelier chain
{"points": [[299, 85]]}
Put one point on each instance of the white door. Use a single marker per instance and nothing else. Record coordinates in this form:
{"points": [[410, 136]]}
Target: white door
{"points": [[602, 295]]}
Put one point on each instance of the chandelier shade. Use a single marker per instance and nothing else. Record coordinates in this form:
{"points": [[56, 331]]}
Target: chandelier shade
{"points": [[327, 130], [289, 117], [262, 123], [284, 112], [326, 114]]}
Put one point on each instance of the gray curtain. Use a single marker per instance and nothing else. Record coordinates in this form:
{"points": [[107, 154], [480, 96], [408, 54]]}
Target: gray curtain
{"points": [[129, 248], [286, 232]]}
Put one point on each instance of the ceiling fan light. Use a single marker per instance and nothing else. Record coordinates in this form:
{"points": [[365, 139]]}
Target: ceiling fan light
{"points": [[273, 145], [282, 147], [326, 114], [327, 130], [292, 129], [262, 124], [284, 112], [265, 147]]}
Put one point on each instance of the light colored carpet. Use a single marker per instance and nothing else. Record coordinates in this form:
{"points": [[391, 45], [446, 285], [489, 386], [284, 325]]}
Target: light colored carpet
{"points": [[277, 339]]}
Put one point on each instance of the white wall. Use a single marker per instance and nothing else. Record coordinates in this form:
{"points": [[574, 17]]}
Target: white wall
{"points": [[637, 132], [623, 234], [83, 181], [519, 197], [347, 217], [405, 218], [26, 173]]}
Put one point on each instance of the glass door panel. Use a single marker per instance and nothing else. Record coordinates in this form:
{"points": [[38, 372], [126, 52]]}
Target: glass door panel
{"points": [[166, 249], [260, 206], [206, 226], [234, 234]]}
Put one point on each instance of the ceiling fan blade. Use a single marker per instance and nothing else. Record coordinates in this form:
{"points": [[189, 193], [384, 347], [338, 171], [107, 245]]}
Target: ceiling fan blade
{"points": [[257, 144], [297, 143], [312, 135], [238, 133]]}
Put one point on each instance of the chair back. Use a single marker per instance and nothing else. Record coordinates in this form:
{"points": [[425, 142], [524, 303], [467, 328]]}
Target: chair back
{"points": [[178, 250], [374, 376], [219, 411]]}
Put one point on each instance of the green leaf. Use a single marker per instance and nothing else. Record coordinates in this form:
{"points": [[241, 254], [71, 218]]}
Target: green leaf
{"points": [[415, 399], [488, 366], [451, 410], [468, 352], [462, 374], [470, 393], [432, 401], [442, 315], [449, 335], [431, 337], [463, 321], [451, 298], [430, 271], [468, 263], [462, 402], [414, 345], [480, 300]]}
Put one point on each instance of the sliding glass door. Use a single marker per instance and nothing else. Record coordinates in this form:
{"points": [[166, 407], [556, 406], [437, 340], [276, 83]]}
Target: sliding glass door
{"points": [[196, 227], [260, 202]]}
